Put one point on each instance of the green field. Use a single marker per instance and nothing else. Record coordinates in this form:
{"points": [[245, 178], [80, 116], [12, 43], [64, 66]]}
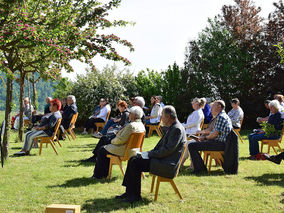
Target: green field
{"points": [[30, 183]]}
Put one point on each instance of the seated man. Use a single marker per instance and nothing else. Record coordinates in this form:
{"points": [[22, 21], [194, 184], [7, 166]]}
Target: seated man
{"points": [[236, 114], [276, 121], [117, 145], [162, 160], [38, 117], [45, 128], [275, 158], [28, 109], [260, 119], [215, 140]]}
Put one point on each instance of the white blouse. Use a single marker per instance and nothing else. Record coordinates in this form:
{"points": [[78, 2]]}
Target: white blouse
{"points": [[193, 121], [103, 112]]}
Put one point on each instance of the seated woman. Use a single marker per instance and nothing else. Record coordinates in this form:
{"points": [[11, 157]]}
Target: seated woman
{"points": [[28, 109], [117, 122], [64, 105], [45, 128], [275, 120], [99, 116], [117, 145], [207, 111], [156, 111], [195, 118], [236, 114]]}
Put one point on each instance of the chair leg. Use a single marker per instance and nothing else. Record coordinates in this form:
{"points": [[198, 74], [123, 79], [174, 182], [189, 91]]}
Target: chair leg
{"points": [[268, 149], [121, 168], [150, 132], [68, 137], [153, 183], [175, 188], [240, 137], [143, 175], [210, 162], [279, 147], [261, 148], [274, 150], [40, 148], [72, 134], [53, 147], [157, 189], [159, 132]]}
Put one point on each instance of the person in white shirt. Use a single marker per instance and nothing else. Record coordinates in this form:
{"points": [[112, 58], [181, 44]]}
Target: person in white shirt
{"points": [[236, 114], [194, 120], [156, 112], [99, 116]]}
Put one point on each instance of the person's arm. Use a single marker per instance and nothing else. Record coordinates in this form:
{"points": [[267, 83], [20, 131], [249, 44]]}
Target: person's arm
{"points": [[123, 135], [169, 146], [193, 121]]}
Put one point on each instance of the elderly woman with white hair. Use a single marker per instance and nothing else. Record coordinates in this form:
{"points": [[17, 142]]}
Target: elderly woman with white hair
{"points": [[117, 145], [274, 119], [69, 111]]}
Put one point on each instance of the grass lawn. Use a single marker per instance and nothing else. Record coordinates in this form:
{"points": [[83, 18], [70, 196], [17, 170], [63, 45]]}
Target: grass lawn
{"points": [[30, 183]]}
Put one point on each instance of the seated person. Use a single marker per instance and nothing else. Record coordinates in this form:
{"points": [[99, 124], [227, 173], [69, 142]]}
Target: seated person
{"points": [[275, 158], [38, 117], [117, 122], [207, 111], [236, 114], [280, 98], [160, 98], [28, 109], [45, 128], [139, 101], [64, 105], [117, 145], [195, 118], [99, 116], [275, 120], [161, 161], [215, 140], [260, 119], [156, 111]]}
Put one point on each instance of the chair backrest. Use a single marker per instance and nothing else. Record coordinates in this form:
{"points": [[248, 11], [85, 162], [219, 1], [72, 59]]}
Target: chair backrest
{"points": [[201, 124], [181, 157], [73, 120], [56, 128], [134, 141], [108, 114], [241, 123], [282, 135]]}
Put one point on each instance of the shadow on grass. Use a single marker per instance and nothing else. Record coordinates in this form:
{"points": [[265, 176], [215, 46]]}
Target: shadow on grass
{"points": [[91, 145], [84, 181], [215, 171], [269, 179], [110, 204], [77, 163]]}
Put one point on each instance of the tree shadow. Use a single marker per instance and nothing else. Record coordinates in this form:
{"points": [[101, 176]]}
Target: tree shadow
{"points": [[84, 181], [269, 179], [217, 171], [77, 163], [110, 204], [91, 145]]}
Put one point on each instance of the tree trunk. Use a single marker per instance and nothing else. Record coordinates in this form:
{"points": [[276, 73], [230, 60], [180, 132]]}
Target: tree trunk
{"points": [[8, 110], [21, 101], [34, 100]]}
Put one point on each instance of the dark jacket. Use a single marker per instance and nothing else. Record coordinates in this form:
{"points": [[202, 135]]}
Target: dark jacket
{"points": [[49, 121], [68, 114], [124, 118], [231, 154], [167, 153]]}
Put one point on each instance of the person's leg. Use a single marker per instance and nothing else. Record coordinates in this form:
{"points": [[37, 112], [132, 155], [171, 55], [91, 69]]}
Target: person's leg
{"points": [[132, 179], [16, 123], [107, 126], [194, 149], [29, 140], [105, 140], [280, 156], [102, 164], [89, 124], [253, 143]]}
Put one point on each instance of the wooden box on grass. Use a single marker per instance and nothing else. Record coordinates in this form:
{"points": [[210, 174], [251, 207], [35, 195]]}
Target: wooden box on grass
{"points": [[62, 208]]}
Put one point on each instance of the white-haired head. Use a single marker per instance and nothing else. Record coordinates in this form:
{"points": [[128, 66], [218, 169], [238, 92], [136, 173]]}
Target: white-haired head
{"points": [[72, 97], [139, 100], [275, 104], [137, 111]]}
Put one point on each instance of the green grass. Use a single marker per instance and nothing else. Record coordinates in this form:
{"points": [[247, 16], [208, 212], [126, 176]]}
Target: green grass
{"points": [[30, 183]]}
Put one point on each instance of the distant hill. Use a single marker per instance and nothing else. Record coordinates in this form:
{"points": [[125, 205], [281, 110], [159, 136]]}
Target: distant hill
{"points": [[44, 89]]}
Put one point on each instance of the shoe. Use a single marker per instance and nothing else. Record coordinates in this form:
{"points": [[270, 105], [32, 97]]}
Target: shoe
{"points": [[97, 135], [84, 133], [272, 158], [22, 153], [120, 197]]}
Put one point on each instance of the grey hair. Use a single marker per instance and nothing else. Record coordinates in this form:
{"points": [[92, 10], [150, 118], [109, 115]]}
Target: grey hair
{"points": [[275, 104], [137, 111], [72, 97], [140, 101], [171, 111], [201, 102]]}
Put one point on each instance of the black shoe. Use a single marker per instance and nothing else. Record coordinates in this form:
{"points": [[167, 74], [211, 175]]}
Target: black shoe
{"points": [[272, 158], [123, 196], [91, 159], [131, 200]]}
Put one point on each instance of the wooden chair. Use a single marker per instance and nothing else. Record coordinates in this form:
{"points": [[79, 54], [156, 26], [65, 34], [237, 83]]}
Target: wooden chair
{"points": [[273, 143], [163, 179], [157, 128], [50, 140], [102, 124], [134, 141], [216, 155], [237, 131], [71, 127]]}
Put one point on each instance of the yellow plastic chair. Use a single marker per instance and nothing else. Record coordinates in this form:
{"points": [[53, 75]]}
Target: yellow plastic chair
{"points": [[100, 125], [134, 141], [170, 180], [237, 131], [273, 143], [50, 140], [155, 128]]}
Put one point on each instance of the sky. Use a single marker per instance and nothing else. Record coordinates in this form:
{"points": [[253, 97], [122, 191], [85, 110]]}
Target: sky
{"points": [[162, 30]]}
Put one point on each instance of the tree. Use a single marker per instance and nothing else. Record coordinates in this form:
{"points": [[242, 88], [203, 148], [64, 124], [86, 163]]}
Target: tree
{"points": [[43, 36]]}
